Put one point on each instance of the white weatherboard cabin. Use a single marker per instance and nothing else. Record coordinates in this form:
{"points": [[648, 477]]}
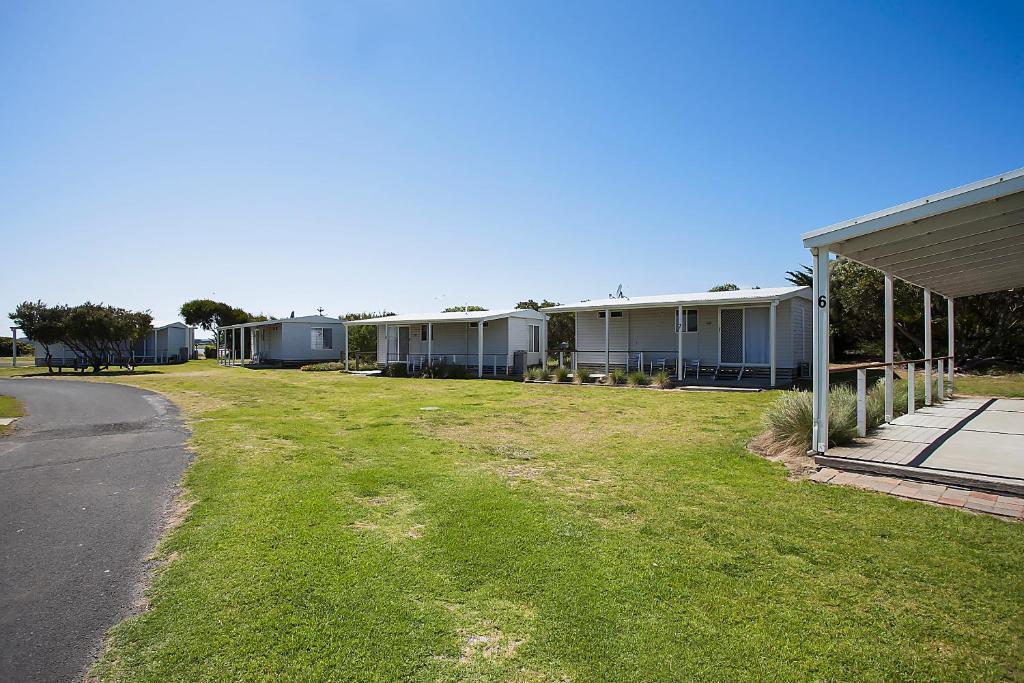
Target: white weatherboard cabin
{"points": [[491, 342], [759, 337], [167, 342], [288, 341]]}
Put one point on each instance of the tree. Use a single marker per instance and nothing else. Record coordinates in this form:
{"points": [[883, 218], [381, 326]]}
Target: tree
{"points": [[727, 287], [98, 333], [363, 338], [561, 326], [43, 324], [802, 277], [212, 315], [461, 309]]}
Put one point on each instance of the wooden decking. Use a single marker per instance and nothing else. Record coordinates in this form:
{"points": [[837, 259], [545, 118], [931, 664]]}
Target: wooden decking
{"points": [[974, 442]]}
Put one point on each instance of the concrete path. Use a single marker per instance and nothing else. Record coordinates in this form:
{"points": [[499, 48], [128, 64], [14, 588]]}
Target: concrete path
{"points": [[86, 480]]}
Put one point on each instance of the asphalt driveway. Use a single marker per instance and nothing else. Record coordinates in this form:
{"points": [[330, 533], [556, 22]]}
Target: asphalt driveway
{"points": [[86, 481]]}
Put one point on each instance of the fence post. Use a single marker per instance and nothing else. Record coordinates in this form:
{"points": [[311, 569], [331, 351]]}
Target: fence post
{"points": [[911, 384], [941, 393], [862, 416]]}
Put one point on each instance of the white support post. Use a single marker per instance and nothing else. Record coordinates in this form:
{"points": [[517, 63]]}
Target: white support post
{"points": [[14, 347], [862, 414], [387, 345], [544, 344], [940, 375], [889, 325], [819, 435], [951, 331], [576, 339], [607, 333], [911, 389], [772, 316], [430, 343], [345, 329], [480, 349], [927, 347], [679, 343]]}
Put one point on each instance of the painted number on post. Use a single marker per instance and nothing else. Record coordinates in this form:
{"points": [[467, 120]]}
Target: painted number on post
{"points": [[822, 303]]}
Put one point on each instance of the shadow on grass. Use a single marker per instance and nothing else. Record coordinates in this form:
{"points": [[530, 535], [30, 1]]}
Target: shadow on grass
{"points": [[89, 373]]}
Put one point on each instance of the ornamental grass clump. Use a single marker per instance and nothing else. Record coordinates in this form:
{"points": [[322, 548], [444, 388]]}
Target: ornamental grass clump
{"points": [[638, 379], [581, 376], [789, 420], [616, 377], [560, 374], [537, 374], [662, 379]]}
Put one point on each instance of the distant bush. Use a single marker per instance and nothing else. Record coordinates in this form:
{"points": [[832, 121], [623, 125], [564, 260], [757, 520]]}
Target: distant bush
{"points": [[616, 377], [323, 367], [537, 374], [638, 379], [560, 374], [581, 376], [210, 351], [24, 348], [662, 379], [397, 370]]}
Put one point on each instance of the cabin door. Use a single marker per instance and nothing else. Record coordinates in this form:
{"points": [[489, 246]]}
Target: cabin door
{"points": [[730, 340], [403, 344]]}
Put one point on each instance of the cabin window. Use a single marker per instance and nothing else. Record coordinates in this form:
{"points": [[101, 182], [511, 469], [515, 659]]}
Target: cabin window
{"points": [[615, 314], [425, 330], [534, 338], [321, 338], [689, 320], [474, 324]]}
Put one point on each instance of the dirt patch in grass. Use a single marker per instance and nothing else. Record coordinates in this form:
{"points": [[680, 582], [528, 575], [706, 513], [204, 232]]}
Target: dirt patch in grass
{"points": [[797, 462]]}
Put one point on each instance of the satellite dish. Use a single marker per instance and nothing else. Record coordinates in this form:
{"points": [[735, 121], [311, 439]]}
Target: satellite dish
{"points": [[292, 315]]}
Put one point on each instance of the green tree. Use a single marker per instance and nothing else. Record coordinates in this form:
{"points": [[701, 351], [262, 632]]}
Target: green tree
{"points": [[726, 287], [43, 324], [363, 338], [99, 333], [801, 277], [561, 326]]}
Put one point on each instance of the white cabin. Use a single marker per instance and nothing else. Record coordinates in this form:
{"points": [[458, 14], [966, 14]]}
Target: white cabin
{"points": [[758, 336], [167, 342], [288, 341], [488, 342]]}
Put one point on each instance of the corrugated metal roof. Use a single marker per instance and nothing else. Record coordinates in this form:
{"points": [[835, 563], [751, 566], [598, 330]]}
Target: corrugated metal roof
{"points": [[739, 296], [300, 319], [455, 316]]}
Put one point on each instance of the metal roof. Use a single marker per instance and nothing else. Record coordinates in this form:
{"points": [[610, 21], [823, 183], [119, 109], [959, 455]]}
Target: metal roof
{"points": [[968, 240], [739, 296], [301, 319], [452, 317]]}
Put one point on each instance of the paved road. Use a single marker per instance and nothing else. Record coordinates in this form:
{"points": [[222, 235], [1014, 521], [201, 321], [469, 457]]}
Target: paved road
{"points": [[86, 480]]}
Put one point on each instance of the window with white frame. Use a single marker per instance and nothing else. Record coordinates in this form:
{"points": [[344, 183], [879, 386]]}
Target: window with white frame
{"points": [[689, 320], [321, 338], [615, 314], [534, 338], [426, 330]]}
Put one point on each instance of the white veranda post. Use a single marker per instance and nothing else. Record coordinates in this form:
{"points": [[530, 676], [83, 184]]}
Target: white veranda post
{"points": [[345, 330], [927, 347], [772, 315], [679, 343], [889, 324], [819, 435], [543, 343], [607, 333], [14, 347], [952, 345], [430, 343], [480, 348]]}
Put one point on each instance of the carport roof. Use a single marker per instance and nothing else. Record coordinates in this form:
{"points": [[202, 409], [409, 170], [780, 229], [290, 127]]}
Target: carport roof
{"points": [[968, 240], [728, 297]]}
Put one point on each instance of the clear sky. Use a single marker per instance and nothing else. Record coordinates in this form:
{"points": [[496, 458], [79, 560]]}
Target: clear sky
{"points": [[416, 155]]}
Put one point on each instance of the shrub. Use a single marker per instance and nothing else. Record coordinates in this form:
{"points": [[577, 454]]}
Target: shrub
{"points": [[437, 369], [581, 376], [456, 372], [537, 374], [560, 374], [323, 367], [397, 370], [616, 376], [638, 379], [210, 351], [788, 422], [662, 379]]}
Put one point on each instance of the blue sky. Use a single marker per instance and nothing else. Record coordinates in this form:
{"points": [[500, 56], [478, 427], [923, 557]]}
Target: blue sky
{"points": [[416, 155]]}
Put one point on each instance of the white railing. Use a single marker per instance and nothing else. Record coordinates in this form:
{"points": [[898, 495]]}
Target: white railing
{"points": [[491, 361], [937, 382]]}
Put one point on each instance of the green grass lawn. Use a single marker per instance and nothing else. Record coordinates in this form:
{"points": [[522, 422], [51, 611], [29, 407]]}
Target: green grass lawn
{"points": [[1010, 385], [9, 407], [539, 532]]}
